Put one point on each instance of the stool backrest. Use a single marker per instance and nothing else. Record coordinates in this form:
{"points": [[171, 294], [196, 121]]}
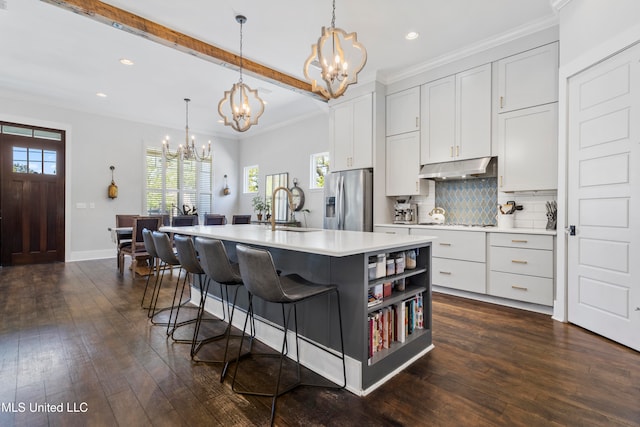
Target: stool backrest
{"points": [[187, 254], [259, 274], [164, 248], [215, 261], [148, 243]]}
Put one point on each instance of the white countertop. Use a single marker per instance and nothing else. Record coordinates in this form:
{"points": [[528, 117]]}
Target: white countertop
{"points": [[474, 228], [335, 243]]}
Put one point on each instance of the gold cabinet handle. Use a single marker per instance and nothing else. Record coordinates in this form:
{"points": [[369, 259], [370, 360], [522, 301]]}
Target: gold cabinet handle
{"points": [[518, 241], [451, 151], [500, 180], [520, 288], [457, 151], [444, 244], [502, 102], [417, 122], [445, 272], [517, 261]]}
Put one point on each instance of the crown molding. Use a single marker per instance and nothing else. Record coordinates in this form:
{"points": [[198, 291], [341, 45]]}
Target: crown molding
{"points": [[514, 34], [558, 4]]}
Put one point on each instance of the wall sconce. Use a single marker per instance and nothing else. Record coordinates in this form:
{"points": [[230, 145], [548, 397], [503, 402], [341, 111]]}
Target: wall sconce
{"points": [[112, 192], [226, 191]]}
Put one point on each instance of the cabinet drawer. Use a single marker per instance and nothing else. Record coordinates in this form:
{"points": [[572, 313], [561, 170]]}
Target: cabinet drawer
{"points": [[463, 275], [463, 245], [392, 230], [532, 262], [537, 290], [515, 240]]}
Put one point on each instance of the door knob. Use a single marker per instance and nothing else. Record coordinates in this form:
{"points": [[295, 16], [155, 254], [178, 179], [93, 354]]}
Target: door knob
{"points": [[570, 230]]}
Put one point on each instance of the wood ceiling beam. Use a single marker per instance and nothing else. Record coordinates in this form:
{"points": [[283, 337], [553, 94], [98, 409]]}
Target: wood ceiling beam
{"points": [[134, 24]]}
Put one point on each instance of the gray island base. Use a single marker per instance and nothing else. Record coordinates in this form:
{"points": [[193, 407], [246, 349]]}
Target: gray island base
{"points": [[386, 312]]}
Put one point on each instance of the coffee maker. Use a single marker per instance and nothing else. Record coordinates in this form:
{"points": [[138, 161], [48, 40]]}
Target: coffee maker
{"points": [[405, 212]]}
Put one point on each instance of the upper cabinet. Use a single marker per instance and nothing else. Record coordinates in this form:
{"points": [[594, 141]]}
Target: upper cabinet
{"points": [[528, 79], [403, 111], [403, 166], [351, 144], [528, 149], [456, 117], [438, 108]]}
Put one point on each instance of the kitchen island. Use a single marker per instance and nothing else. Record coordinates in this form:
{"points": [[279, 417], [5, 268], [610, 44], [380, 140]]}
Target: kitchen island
{"points": [[343, 258]]}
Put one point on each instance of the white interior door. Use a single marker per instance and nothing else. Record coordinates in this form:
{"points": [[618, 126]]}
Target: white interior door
{"points": [[603, 197]]}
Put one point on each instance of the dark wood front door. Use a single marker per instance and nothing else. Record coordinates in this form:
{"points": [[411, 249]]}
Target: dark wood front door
{"points": [[31, 195]]}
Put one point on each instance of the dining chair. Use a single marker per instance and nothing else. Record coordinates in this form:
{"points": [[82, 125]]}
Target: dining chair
{"points": [[241, 219], [184, 220], [215, 219], [123, 239], [137, 248]]}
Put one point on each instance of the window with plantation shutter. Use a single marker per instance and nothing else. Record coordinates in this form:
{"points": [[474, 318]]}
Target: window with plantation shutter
{"points": [[173, 186]]}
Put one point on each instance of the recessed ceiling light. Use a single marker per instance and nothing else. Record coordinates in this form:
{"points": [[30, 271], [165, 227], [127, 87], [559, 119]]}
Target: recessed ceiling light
{"points": [[125, 61], [101, 95], [412, 35]]}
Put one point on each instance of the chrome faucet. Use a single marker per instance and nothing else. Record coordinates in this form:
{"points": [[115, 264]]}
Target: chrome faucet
{"points": [[273, 204]]}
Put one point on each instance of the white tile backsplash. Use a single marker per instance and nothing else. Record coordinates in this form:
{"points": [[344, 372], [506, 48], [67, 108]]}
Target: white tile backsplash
{"points": [[534, 212]]}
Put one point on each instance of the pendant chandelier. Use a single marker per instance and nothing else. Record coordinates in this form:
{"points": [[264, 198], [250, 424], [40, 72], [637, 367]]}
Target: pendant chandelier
{"points": [[241, 106], [335, 60], [188, 150]]}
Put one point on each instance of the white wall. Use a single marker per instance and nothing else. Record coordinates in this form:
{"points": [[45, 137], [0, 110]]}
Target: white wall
{"points": [[288, 149], [585, 24], [93, 144]]}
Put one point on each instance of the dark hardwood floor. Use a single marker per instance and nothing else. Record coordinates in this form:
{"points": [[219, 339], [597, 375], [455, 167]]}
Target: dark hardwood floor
{"points": [[74, 334]]}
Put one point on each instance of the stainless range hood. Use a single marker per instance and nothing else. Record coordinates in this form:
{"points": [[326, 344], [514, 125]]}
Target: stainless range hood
{"points": [[483, 167]]}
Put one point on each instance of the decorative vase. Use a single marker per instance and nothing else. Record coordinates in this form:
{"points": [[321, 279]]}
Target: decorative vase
{"points": [[259, 216]]}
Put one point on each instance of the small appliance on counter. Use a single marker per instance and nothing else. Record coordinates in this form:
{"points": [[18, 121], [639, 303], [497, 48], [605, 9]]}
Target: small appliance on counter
{"points": [[437, 215], [405, 212]]}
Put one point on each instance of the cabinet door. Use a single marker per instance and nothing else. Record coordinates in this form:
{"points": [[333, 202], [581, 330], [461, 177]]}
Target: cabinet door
{"points": [[342, 138], [352, 134], [473, 113], [528, 149], [403, 164], [403, 111], [438, 120], [362, 154], [528, 79]]}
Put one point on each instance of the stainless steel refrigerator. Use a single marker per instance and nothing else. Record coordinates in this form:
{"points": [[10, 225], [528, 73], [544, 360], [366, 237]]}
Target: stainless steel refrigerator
{"points": [[348, 200]]}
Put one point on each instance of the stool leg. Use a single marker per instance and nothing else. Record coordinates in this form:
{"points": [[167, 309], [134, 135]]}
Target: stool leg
{"points": [[203, 298], [244, 329]]}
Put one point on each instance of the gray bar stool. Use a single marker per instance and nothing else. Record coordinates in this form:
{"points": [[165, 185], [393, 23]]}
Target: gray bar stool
{"points": [[147, 238], [215, 262], [169, 260], [262, 280]]}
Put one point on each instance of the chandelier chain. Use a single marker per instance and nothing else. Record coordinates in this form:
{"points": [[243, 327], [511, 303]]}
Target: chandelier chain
{"points": [[241, 23], [333, 17]]}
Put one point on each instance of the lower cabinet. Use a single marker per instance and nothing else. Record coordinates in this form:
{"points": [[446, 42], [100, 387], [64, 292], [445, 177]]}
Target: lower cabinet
{"points": [[459, 259], [521, 267], [514, 266]]}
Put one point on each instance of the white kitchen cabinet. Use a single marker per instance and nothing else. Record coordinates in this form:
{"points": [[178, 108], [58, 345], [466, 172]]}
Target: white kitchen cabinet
{"points": [[404, 231], [528, 149], [456, 120], [403, 166], [352, 134], [473, 113], [403, 111], [528, 79], [521, 267], [438, 120], [459, 259]]}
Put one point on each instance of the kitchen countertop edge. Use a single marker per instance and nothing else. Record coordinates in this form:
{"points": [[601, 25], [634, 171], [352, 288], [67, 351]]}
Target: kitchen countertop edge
{"points": [[474, 228]]}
